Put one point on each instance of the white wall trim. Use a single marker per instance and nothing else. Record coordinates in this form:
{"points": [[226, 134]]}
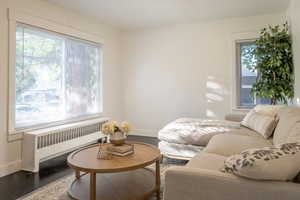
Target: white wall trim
{"points": [[10, 168], [14, 137], [15, 15]]}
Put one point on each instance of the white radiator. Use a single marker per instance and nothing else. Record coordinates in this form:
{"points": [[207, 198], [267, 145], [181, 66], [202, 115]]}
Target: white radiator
{"points": [[44, 144]]}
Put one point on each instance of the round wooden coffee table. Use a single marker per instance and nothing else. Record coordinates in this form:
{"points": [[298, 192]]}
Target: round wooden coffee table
{"points": [[121, 178]]}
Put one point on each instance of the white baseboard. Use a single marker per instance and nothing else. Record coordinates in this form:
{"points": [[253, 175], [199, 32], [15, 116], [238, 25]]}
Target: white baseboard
{"points": [[10, 168], [145, 132]]}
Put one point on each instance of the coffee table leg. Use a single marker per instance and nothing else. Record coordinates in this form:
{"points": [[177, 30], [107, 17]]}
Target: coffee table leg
{"points": [[93, 186], [158, 179], [162, 159], [77, 174]]}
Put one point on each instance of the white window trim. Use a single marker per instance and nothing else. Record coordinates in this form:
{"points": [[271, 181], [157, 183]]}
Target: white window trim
{"points": [[236, 37], [16, 16]]}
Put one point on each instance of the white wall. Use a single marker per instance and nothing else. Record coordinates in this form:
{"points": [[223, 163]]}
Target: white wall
{"points": [[10, 153], [294, 18], [182, 71]]}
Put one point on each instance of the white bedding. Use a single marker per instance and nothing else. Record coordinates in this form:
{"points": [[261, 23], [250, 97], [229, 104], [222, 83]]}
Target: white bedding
{"points": [[181, 150], [195, 131]]}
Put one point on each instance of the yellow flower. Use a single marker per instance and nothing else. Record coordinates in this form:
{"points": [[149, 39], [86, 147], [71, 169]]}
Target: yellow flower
{"points": [[106, 128], [112, 126], [125, 127]]}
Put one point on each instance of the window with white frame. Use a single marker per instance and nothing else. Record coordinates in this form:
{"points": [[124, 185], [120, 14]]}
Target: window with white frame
{"points": [[57, 77], [245, 77]]}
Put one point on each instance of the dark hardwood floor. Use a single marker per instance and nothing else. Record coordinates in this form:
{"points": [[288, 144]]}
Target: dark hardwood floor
{"points": [[20, 183]]}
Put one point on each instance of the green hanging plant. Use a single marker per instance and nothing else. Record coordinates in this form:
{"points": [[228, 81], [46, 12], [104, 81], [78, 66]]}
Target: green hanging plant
{"points": [[274, 64]]}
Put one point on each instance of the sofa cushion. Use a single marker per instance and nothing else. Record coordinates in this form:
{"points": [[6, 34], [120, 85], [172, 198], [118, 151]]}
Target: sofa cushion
{"points": [[280, 163], [235, 117], [227, 145], [244, 131], [259, 122], [269, 110], [288, 127], [207, 161], [195, 131]]}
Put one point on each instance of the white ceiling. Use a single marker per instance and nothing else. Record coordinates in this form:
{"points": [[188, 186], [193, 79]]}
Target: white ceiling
{"points": [[130, 14]]}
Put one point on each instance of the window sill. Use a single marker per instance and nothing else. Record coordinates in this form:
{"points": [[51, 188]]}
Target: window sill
{"points": [[14, 137], [241, 110], [18, 134]]}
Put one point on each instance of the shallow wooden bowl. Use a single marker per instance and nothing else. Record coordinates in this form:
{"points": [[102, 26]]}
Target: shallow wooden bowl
{"points": [[118, 141]]}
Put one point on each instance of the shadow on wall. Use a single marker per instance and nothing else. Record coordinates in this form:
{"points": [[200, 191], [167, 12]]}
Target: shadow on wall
{"points": [[215, 98]]}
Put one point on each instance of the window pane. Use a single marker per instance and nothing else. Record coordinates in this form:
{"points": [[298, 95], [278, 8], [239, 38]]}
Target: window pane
{"points": [[82, 76], [247, 77], [54, 74]]}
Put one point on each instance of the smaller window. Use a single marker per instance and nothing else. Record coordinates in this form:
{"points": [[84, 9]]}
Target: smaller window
{"points": [[245, 77]]}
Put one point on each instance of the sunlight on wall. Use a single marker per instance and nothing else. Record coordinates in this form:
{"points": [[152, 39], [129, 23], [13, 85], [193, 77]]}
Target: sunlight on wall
{"points": [[213, 85], [216, 86], [215, 90], [210, 113], [215, 95]]}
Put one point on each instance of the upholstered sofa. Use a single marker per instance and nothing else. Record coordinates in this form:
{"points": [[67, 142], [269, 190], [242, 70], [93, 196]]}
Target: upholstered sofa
{"points": [[202, 178]]}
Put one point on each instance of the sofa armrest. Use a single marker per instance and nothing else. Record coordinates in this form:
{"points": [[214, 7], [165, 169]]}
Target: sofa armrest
{"points": [[235, 117], [202, 184]]}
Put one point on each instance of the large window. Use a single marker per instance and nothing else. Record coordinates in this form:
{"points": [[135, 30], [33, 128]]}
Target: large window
{"points": [[57, 77], [246, 77]]}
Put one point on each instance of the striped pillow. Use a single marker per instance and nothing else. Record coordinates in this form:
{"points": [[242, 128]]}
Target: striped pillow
{"points": [[263, 124]]}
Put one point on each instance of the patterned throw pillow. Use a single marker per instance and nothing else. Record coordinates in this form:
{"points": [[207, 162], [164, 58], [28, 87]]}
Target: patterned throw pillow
{"points": [[270, 163]]}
